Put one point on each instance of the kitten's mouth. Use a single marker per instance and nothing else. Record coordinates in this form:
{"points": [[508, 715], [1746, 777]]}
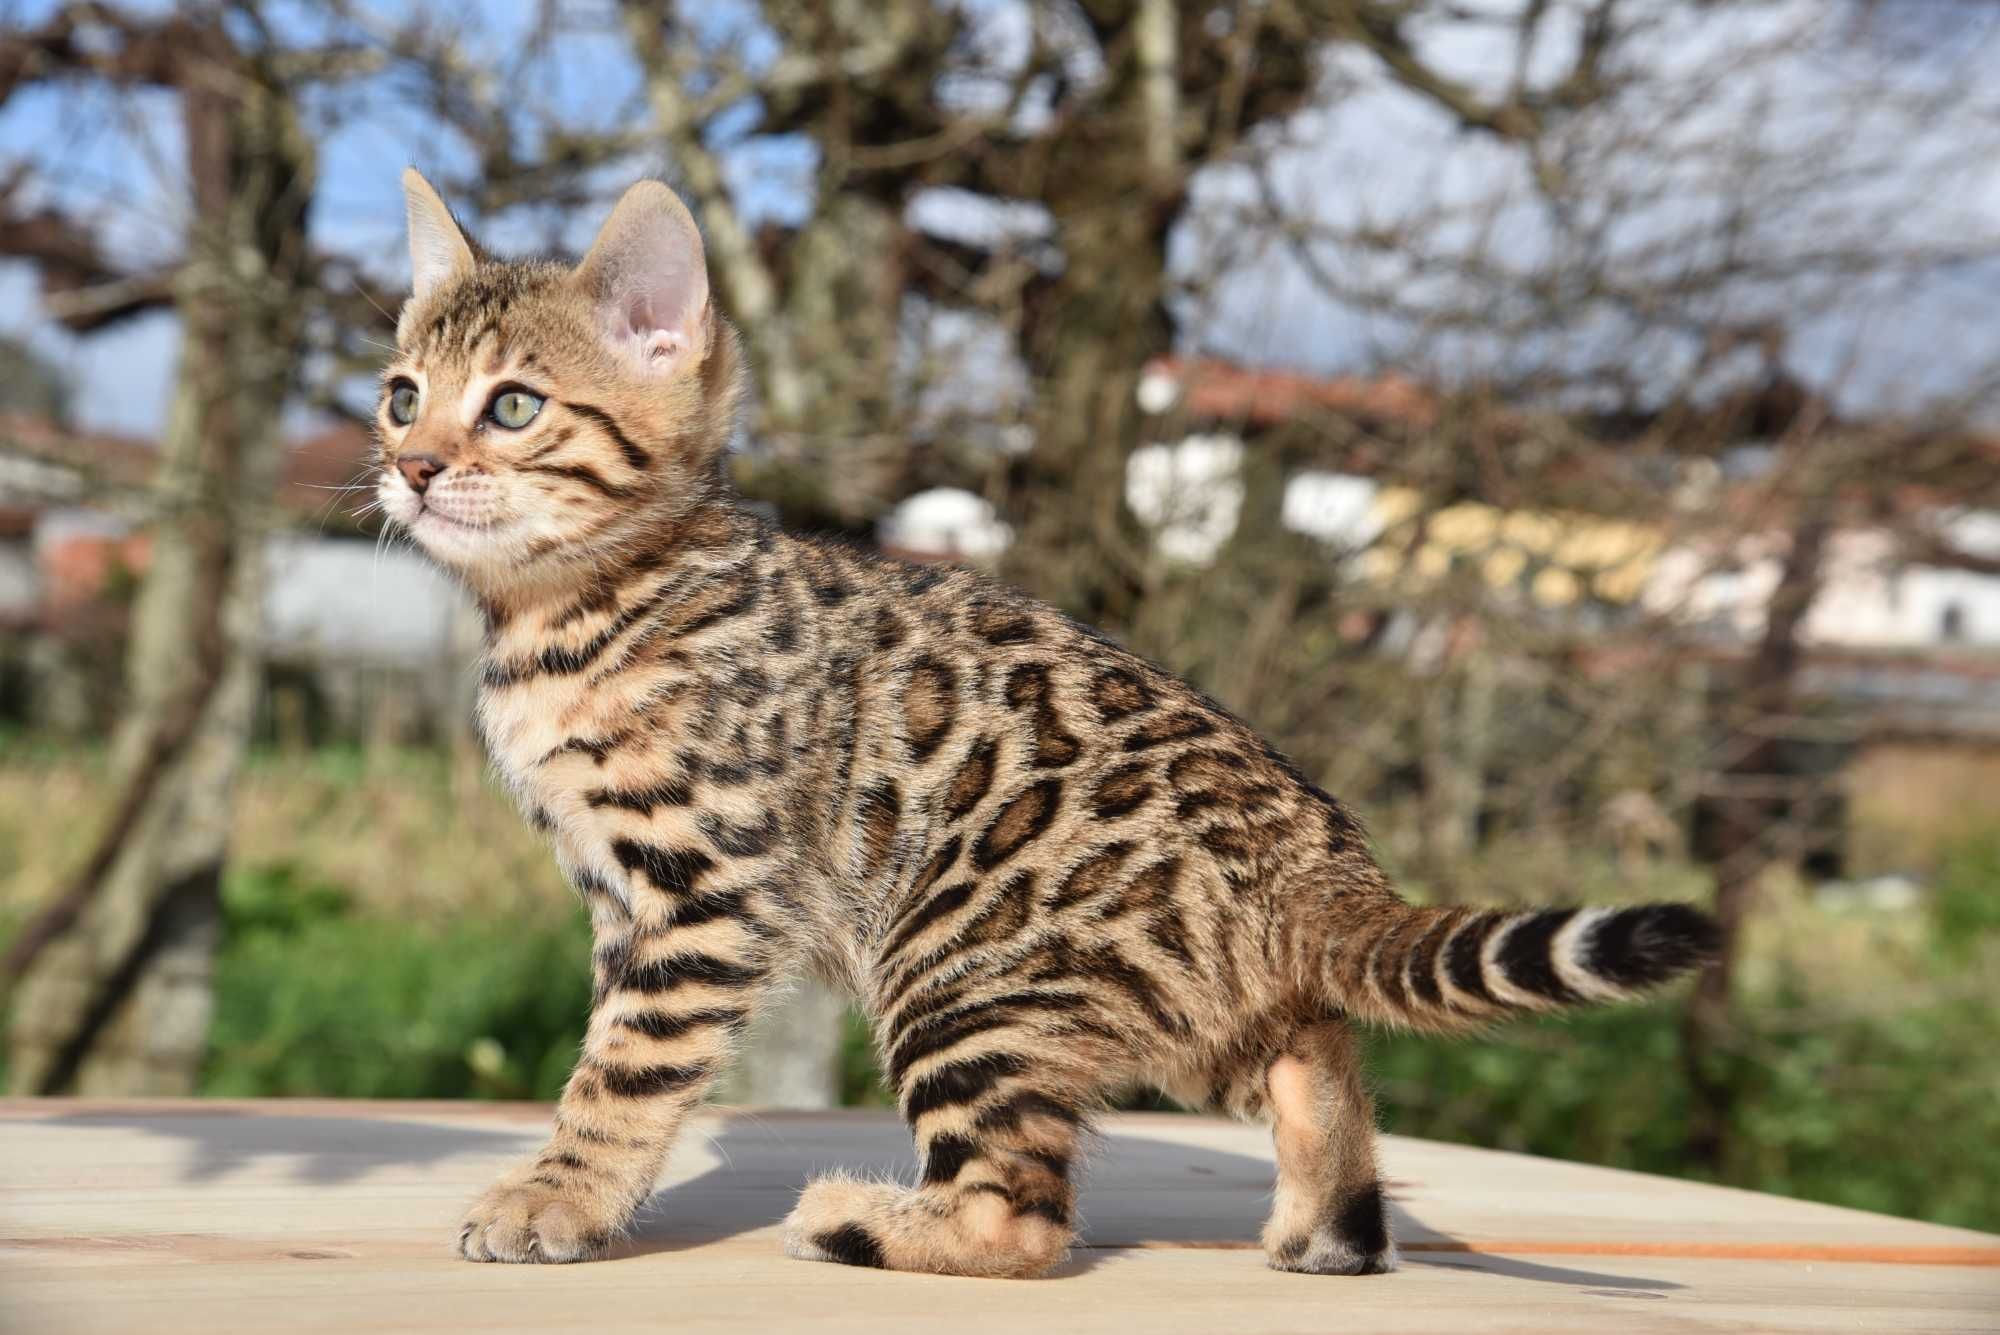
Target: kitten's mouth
{"points": [[432, 512]]}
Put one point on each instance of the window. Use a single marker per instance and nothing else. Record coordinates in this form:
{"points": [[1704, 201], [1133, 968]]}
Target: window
{"points": [[1951, 623]]}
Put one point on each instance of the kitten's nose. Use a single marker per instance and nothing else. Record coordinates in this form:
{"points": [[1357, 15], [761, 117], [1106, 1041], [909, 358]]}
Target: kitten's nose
{"points": [[419, 469]]}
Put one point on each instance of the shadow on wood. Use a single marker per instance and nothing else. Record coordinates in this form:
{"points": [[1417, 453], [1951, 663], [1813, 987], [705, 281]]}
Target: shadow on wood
{"points": [[761, 1162]]}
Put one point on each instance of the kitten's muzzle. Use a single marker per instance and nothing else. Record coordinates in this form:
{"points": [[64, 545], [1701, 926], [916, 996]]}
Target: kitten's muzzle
{"points": [[419, 469]]}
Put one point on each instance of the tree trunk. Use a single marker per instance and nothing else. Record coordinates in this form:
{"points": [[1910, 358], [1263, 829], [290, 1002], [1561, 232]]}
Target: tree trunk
{"points": [[1750, 798], [1085, 341], [118, 1001], [1455, 721]]}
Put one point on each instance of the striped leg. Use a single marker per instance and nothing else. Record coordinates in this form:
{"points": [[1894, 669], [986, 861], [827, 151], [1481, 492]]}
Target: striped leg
{"points": [[669, 1003], [1329, 1218], [995, 1199]]}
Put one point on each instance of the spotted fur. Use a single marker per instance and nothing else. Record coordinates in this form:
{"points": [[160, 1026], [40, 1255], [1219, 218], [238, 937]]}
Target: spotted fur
{"points": [[1045, 868]]}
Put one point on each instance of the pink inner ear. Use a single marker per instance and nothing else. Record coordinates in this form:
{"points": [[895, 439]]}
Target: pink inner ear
{"points": [[647, 275], [656, 307], [661, 345]]}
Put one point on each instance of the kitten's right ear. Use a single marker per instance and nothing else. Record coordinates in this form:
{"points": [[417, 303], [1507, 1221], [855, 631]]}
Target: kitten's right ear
{"points": [[438, 248], [647, 277]]}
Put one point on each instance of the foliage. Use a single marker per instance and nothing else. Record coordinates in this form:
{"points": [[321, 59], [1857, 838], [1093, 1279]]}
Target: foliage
{"points": [[1965, 908], [367, 820], [861, 1084], [311, 999], [1899, 1114], [1863, 1064]]}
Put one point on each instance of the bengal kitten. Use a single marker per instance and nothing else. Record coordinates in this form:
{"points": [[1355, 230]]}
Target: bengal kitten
{"points": [[1045, 868]]}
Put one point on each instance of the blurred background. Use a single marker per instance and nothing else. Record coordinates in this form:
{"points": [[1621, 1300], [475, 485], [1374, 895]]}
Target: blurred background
{"points": [[1570, 428]]}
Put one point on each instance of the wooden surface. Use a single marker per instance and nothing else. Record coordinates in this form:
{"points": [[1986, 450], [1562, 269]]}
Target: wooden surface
{"points": [[325, 1216]]}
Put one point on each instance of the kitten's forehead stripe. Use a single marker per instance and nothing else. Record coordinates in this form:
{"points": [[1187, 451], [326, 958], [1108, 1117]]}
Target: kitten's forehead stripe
{"points": [[1046, 868]]}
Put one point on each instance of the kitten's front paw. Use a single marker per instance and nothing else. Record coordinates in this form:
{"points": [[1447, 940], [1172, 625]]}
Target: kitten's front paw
{"points": [[530, 1222]]}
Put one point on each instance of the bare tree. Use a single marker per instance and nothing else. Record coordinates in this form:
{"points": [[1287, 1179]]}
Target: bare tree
{"points": [[1640, 239], [114, 975], [1664, 220]]}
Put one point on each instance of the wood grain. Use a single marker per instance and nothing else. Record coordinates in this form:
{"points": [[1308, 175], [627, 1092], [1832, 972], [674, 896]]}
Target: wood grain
{"points": [[329, 1216]]}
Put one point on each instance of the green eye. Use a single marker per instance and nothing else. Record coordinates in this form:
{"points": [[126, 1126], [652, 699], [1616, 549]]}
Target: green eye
{"points": [[403, 403], [515, 408]]}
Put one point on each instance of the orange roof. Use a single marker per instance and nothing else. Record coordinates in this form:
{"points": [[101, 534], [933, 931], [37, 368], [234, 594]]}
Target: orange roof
{"points": [[1210, 388], [313, 469]]}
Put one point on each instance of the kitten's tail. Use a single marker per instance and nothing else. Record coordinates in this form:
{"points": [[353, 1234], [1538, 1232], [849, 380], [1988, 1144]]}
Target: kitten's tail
{"points": [[1452, 970]]}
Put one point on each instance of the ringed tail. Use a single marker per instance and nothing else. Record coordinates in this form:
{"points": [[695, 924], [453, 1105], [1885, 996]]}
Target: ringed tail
{"points": [[1452, 970]]}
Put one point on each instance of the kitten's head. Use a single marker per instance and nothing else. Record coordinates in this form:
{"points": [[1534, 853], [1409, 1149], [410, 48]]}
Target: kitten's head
{"points": [[540, 421]]}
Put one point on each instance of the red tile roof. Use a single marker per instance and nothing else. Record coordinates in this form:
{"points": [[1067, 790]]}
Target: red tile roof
{"points": [[313, 470], [1224, 391]]}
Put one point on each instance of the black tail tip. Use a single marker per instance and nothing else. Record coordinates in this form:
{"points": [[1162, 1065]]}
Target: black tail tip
{"points": [[1648, 944]]}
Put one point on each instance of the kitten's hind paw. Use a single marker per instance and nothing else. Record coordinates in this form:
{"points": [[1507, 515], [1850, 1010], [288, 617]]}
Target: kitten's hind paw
{"points": [[939, 1230], [1323, 1253], [826, 1224]]}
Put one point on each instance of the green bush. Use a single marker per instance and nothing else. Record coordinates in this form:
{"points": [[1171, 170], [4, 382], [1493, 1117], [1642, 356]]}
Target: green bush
{"points": [[311, 1000], [1898, 1113], [861, 1084], [1965, 906]]}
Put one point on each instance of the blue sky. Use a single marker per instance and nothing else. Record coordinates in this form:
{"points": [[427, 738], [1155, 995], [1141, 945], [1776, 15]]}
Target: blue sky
{"points": [[1372, 155], [113, 160]]}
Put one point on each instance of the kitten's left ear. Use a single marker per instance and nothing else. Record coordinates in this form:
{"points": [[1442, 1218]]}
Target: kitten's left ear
{"points": [[649, 279], [438, 249]]}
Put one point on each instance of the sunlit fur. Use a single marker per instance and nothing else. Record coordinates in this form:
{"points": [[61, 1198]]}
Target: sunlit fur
{"points": [[1045, 869]]}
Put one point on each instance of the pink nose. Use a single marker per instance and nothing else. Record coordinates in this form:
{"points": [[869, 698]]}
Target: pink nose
{"points": [[418, 470]]}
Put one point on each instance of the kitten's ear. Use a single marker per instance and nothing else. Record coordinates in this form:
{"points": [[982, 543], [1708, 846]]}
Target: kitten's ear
{"points": [[649, 280], [438, 249]]}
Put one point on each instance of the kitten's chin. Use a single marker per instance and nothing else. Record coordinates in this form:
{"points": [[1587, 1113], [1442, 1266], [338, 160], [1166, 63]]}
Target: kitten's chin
{"points": [[471, 549]]}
